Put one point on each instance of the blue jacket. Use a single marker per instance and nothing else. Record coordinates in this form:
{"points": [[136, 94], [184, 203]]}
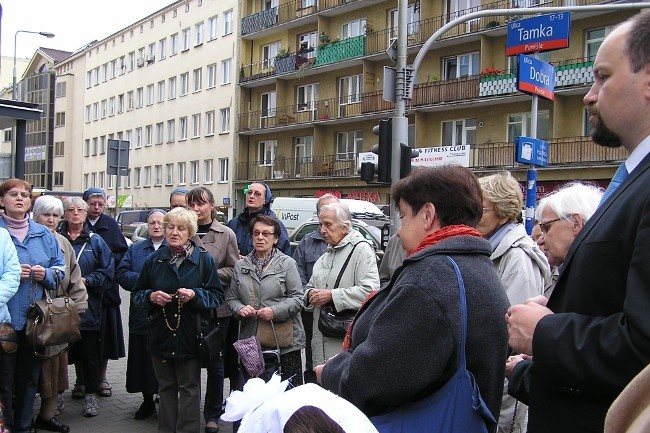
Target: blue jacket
{"points": [[98, 268], [39, 247], [310, 248], [127, 274], [241, 226], [9, 273]]}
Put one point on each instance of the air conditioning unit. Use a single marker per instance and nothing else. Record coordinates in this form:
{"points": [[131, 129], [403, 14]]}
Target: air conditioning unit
{"points": [[140, 62], [151, 58]]}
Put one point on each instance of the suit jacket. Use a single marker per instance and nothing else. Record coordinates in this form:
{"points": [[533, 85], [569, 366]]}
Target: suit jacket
{"points": [[599, 338]]}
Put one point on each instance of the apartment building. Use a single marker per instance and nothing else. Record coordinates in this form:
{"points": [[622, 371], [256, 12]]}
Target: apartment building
{"points": [[167, 85], [312, 74]]}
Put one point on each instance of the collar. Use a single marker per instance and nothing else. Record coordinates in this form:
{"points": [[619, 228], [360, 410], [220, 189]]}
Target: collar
{"points": [[638, 154]]}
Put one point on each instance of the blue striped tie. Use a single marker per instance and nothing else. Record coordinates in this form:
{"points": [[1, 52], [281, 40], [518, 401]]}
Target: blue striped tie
{"points": [[619, 177]]}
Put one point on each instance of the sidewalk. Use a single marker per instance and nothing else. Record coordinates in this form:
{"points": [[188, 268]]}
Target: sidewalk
{"points": [[116, 413]]}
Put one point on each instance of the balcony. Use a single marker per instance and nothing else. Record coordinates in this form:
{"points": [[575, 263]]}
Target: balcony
{"points": [[338, 51], [438, 92], [565, 151]]}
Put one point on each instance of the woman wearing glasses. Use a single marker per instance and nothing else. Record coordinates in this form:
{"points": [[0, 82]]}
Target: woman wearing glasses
{"points": [[40, 259], [266, 287]]}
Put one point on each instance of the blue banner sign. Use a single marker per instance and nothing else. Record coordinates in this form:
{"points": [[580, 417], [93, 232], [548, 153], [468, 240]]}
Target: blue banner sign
{"points": [[535, 77], [540, 33], [531, 151]]}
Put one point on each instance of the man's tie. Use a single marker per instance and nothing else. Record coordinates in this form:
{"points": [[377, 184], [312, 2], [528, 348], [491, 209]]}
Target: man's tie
{"points": [[620, 176]]}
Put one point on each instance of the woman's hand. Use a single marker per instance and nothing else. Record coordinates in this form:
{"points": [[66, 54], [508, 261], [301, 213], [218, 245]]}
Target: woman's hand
{"points": [[247, 311], [512, 362], [266, 313], [160, 298], [319, 371], [39, 272], [185, 295], [320, 297], [25, 272]]}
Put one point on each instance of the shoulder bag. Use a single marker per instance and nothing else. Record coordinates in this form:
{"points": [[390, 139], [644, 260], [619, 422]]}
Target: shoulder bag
{"points": [[8, 337], [52, 321], [209, 338], [270, 333], [333, 323], [456, 407]]}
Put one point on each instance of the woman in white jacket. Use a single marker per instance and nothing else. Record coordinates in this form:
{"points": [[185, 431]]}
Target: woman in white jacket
{"points": [[359, 277]]}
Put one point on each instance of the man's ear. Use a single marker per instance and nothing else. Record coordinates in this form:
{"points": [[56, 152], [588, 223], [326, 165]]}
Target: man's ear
{"points": [[578, 223]]}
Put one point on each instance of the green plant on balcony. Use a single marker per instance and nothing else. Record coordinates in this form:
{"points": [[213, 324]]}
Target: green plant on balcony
{"points": [[491, 73], [432, 78], [282, 53], [324, 39], [369, 29]]}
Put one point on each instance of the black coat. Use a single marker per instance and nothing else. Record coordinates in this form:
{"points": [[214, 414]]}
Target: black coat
{"points": [[599, 338]]}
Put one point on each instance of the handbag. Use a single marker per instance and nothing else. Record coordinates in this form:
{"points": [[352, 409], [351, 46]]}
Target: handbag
{"points": [[8, 337], [209, 337], [250, 355], [52, 321], [456, 407], [333, 323]]}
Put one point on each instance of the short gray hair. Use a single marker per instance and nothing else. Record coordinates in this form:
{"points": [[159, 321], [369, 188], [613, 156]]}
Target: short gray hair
{"points": [[342, 213], [571, 198], [75, 201], [47, 204]]}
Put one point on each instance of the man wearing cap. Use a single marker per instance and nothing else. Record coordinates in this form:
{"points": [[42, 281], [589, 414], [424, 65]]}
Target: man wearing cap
{"points": [[258, 202], [112, 333]]}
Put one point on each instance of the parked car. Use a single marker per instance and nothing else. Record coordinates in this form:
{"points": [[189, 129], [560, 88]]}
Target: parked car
{"points": [[129, 220], [372, 234]]}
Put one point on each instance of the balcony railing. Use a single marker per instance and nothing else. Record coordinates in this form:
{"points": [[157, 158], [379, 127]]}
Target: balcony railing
{"points": [[297, 168], [338, 51], [458, 89]]}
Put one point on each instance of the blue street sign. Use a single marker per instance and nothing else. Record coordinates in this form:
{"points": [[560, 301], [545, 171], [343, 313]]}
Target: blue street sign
{"points": [[540, 33], [531, 151], [535, 77]]}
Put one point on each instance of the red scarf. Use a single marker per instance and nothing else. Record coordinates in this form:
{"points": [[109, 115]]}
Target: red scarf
{"points": [[429, 240]]}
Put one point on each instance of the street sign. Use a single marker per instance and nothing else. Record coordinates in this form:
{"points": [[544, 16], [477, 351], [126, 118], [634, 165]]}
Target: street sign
{"points": [[117, 157], [531, 151], [540, 33], [535, 77]]}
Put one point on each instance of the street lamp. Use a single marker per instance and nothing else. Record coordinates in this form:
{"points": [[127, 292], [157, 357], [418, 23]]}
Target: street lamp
{"points": [[46, 34]]}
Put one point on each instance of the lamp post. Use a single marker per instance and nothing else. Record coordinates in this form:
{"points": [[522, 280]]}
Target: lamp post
{"points": [[46, 34]]}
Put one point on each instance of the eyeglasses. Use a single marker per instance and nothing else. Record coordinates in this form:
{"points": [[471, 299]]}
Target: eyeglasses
{"points": [[545, 227], [256, 233], [75, 210], [255, 193], [15, 194]]}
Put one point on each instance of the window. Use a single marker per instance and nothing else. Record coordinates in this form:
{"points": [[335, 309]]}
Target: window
{"points": [[512, 61], [129, 100], [303, 151], [587, 127], [58, 178], [158, 176], [458, 8], [174, 43], [306, 97], [104, 108], [148, 135], [89, 79], [349, 92], [96, 111], [207, 171], [266, 151], [160, 127], [307, 42], [111, 181], [96, 76], [519, 125], [225, 71], [196, 76], [185, 85], [349, 144], [212, 75], [172, 88], [182, 126], [60, 89], [120, 103], [209, 123], [198, 37], [171, 133], [169, 174], [59, 147], [161, 91], [196, 125], [227, 22], [139, 96], [86, 182], [111, 106], [105, 72], [268, 55], [458, 132], [87, 147], [128, 178], [88, 114], [162, 48], [194, 172], [224, 120], [122, 65], [353, 28], [463, 65], [212, 28], [223, 169], [102, 145], [60, 119], [131, 61], [101, 179], [181, 173], [147, 176], [136, 177], [268, 105], [138, 138], [127, 137], [186, 39], [150, 94], [113, 69], [593, 39]]}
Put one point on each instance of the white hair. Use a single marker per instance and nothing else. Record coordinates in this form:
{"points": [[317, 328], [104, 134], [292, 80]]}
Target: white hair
{"points": [[572, 198]]}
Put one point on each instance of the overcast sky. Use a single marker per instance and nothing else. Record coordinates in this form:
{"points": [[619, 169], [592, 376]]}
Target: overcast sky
{"points": [[74, 22]]}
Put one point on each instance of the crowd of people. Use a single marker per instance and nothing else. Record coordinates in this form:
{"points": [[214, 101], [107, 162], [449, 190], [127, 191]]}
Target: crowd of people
{"points": [[552, 327]]}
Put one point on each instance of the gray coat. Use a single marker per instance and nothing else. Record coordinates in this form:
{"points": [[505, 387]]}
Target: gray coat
{"points": [[358, 280], [279, 288], [405, 340]]}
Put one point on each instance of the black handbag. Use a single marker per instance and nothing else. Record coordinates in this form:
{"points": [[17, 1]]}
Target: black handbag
{"points": [[333, 323]]}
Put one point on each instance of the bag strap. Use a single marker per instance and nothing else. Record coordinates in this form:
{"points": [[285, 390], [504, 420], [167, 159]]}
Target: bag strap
{"points": [[462, 363], [345, 265], [81, 251], [253, 284]]}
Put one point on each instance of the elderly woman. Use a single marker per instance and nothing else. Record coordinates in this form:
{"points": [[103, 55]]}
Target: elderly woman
{"points": [[266, 287], [405, 341], [522, 267], [140, 376], [357, 279], [48, 211], [178, 285], [40, 259], [97, 272]]}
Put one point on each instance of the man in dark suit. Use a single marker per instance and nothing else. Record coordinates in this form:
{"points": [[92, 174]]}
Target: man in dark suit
{"points": [[593, 335]]}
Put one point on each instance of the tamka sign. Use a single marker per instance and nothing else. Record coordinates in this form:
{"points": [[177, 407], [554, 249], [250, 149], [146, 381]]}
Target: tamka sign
{"points": [[540, 33]]}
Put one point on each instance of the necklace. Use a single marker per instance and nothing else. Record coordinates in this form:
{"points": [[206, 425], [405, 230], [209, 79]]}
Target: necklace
{"points": [[178, 314]]}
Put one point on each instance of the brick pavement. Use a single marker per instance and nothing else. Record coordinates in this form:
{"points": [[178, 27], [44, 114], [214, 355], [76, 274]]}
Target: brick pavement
{"points": [[116, 412]]}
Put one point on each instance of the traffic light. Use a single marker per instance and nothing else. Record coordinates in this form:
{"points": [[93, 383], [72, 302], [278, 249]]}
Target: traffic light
{"points": [[407, 153], [384, 149]]}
